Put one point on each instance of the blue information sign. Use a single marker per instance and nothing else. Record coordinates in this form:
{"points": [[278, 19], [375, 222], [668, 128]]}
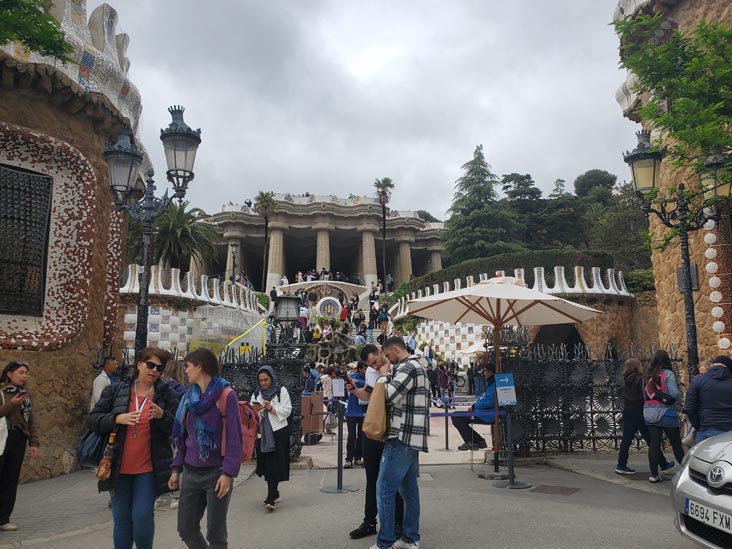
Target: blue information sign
{"points": [[505, 390]]}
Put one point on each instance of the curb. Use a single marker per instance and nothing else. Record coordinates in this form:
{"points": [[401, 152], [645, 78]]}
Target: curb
{"points": [[620, 481]]}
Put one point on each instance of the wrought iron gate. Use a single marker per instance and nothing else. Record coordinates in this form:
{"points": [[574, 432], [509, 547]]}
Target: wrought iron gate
{"points": [[567, 404]]}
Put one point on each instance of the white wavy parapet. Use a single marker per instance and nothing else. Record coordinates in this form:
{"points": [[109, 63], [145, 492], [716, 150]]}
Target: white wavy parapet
{"points": [[615, 286], [99, 63], [213, 291]]}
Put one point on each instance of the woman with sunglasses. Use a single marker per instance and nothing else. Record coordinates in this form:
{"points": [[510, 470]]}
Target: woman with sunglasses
{"points": [[16, 410], [141, 411]]}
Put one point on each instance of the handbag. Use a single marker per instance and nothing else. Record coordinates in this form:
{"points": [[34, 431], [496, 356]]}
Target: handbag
{"points": [[689, 438], [374, 423], [91, 448], [3, 427]]}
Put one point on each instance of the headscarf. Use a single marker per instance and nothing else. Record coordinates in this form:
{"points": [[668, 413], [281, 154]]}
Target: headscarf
{"points": [[267, 443], [25, 406], [198, 404]]}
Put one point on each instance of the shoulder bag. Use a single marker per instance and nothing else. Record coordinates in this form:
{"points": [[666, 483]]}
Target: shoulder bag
{"points": [[374, 423], [91, 448]]}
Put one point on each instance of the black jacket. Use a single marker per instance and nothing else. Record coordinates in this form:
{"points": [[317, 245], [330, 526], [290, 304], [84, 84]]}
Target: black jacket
{"points": [[709, 400], [101, 420], [633, 391]]}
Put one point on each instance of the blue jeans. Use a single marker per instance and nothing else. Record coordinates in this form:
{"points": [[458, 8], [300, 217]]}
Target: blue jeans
{"points": [[479, 385], [133, 508], [398, 472], [707, 433]]}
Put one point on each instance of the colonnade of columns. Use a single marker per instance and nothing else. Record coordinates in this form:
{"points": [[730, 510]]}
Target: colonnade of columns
{"points": [[366, 263]]}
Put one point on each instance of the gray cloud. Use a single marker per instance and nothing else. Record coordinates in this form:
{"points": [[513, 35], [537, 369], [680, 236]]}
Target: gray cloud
{"points": [[324, 96]]}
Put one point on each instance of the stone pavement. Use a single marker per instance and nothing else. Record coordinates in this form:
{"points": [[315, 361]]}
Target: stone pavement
{"points": [[561, 510], [56, 511]]}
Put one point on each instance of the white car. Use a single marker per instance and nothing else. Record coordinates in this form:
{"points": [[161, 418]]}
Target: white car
{"points": [[701, 493]]}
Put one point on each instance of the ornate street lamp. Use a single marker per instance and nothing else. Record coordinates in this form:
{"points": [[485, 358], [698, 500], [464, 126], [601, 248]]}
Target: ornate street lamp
{"points": [[234, 247], [645, 163], [124, 160]]}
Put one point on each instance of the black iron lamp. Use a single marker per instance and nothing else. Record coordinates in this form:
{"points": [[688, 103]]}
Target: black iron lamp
{"points": [[124, 160], [715, 180], [645, 164], [234, 245], [181, 144]]}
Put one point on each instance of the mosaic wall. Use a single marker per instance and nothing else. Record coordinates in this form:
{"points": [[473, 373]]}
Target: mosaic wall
{"points": [[70, 240], [99, 62], [184, 310], [114, 268]]}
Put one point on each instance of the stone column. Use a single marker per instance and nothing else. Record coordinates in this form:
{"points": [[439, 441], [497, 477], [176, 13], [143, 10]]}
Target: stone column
{"points": [[196, 265], [322, 254], [435, 263], [405, 263], [368, 253], [276, 261]]}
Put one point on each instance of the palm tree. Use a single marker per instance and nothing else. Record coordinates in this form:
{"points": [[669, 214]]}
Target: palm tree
{"points": [[264, 205], [383, 193], [178, 235]]}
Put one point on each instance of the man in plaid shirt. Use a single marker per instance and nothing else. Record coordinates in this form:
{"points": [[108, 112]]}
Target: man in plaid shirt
{"points": [[407, 407]]}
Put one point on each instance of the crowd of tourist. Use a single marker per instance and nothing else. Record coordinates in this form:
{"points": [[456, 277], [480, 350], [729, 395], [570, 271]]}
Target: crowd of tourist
{"points": [[177, 428]]}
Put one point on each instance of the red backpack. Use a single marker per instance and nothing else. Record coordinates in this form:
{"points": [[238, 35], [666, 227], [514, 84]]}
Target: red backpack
{"points": [[249, 422]]}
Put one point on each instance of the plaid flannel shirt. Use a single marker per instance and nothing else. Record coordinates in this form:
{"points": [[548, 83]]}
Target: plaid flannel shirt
{"points": [[408, 404]]}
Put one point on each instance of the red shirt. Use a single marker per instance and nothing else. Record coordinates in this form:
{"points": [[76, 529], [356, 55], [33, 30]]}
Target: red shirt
{"points": [[136, 458]]}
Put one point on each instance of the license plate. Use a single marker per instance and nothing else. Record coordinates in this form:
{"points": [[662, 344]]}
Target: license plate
{"points": [[707, 515]]}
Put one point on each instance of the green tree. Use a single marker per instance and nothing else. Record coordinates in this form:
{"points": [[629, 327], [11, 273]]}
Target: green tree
{"points": [[29, 22], [687, 80], [479, 225], [178, 235], [520, 187], [593, 179], [559, 188], [264, 205], [383, 187]]}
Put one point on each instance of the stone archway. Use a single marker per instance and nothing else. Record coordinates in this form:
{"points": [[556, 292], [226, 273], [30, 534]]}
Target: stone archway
{"points": [[560, 334]]}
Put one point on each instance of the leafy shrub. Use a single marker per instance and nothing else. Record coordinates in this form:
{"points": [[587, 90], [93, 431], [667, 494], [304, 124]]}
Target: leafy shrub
{"points": [[640, 280]]}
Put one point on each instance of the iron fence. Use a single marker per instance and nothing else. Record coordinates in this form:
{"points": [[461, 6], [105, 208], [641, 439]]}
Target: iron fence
{"points": [[568, 399]]}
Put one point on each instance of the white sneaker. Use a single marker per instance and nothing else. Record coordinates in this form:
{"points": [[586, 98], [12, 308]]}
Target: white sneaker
{"points": [[7, 527], [401, 544]]}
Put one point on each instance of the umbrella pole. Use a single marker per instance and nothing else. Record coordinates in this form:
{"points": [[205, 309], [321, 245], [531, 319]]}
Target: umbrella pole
{"points": [[496, 421]]}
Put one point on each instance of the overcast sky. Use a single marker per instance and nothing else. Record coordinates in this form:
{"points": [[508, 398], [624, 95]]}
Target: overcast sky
{"points": [[326, 95]]}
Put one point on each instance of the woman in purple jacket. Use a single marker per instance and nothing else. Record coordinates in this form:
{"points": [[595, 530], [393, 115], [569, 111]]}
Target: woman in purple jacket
{"points": [[207, 459]]}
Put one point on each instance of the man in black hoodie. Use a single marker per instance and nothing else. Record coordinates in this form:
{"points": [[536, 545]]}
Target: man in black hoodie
{"points": [[709, 400]]}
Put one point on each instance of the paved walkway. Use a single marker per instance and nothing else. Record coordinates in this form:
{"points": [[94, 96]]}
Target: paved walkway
{"points": [[68, 506], [561, 510]]}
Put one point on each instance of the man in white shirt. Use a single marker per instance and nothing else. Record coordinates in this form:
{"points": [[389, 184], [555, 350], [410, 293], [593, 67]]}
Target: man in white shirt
{"points": [[105, 377]]}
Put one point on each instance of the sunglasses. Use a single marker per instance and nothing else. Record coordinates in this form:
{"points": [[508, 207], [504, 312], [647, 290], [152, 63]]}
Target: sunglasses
{"points": [[154, 366]]}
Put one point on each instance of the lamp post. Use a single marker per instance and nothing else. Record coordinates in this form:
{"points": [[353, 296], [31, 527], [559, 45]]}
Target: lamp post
{"points": [[234, 245], [124, 159], [645, 164]]}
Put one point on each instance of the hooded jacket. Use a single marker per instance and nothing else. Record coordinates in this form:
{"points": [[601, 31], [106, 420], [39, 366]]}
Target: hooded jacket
{"points": [[709, 400], [633, 391]]}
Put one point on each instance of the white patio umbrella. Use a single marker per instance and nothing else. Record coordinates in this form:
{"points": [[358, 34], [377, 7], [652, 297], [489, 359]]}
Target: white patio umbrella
{"points": [[500, 301]]}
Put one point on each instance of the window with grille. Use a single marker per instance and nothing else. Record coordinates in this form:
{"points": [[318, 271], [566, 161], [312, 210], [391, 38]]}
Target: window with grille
{"points": [[25, 212]]}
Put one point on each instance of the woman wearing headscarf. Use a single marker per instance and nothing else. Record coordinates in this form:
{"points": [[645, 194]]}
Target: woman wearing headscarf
{"points": [[16, 409], [142, 411], [207, 435], [272, 401]]}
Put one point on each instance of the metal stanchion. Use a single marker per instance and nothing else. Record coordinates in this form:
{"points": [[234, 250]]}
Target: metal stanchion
{"points": [[339, 488], [511, 483]]}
